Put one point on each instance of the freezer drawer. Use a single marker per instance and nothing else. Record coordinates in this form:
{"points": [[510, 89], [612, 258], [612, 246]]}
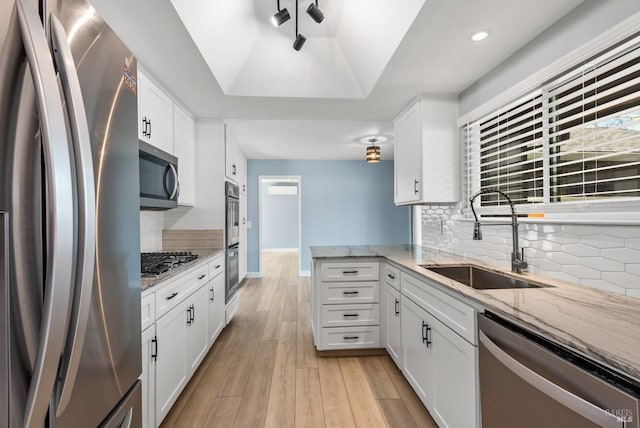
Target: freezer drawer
{"points": [[128, 413]]}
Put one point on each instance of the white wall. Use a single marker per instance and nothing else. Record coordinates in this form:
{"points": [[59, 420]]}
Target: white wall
{"points": [[151, 225], [208, 213], [572, 31]]}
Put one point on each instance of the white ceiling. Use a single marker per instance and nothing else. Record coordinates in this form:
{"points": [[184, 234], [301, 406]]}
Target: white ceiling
{"points": [[343, 56], [435, 56]]}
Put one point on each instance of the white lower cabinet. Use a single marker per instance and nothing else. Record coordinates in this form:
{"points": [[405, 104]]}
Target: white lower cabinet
{"points": [[148, 378], [197, 340], [175, 343], [440, 366], [393, 328], [215, 308], [171, 363]]}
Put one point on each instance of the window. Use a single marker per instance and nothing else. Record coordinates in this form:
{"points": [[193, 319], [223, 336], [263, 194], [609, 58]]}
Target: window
{"points": [[574, 140]]}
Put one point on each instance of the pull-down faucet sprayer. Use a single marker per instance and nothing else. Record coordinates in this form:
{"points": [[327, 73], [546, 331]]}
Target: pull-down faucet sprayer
{"points": [[517, 256]]}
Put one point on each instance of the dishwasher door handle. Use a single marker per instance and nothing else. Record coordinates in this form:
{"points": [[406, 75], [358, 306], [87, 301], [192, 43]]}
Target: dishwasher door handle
{"points": [[569, 400]]}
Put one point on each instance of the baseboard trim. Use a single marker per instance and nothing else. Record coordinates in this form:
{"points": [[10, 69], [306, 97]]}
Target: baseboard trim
{"points": [[253, 275], [304, 273], [280, 250]]}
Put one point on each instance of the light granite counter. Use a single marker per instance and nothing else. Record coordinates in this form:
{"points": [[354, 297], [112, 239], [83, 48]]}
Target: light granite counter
{"points": [[600, 325], [203, 257]]}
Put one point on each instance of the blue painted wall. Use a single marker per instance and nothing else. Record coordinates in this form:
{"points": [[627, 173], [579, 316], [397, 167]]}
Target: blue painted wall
{"points": [[279, 218], [343, 203]]}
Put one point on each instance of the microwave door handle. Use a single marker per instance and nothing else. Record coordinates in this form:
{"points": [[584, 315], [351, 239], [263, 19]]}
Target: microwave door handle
{"points": [[58, 277], [175, 181], [569, 400], [86, 213]]}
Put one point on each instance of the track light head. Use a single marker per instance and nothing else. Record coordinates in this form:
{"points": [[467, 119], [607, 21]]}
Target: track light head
{"points": [[299, 42], [315, 13], [280, 17]]}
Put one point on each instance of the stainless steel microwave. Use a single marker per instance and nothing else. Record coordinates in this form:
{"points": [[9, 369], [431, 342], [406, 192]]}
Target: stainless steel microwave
{"points": [[159, 186]]}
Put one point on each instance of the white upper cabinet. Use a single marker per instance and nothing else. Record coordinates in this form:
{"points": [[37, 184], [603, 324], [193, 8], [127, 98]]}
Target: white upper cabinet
{"points": [[184, 143], [231, 151], [155, 114], [426, 152], [242, 172]]}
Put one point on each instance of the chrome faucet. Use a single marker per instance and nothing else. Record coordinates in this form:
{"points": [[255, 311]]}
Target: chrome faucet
{"points": [[517, 256]]}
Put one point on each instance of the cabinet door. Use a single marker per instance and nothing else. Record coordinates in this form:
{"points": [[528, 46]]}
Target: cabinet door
{"points": [[417, 358], [184, 146], [197, 343], [171, 360], [392, 331], [408, 156], [242, 251], [148, 377], [155, 114], [455, 398], [215, 308], [231, 151]]}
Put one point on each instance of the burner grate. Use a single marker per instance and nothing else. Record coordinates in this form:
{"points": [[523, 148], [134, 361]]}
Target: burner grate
{"points": [[155, 264]]}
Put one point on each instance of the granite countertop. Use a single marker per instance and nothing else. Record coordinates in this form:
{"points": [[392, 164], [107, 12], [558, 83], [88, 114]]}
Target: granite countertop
{"points": [[600, 325], [203, 257]]}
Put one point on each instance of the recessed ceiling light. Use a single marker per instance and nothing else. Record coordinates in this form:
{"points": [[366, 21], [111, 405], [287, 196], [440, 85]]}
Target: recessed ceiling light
{"points": [[480, 35]]}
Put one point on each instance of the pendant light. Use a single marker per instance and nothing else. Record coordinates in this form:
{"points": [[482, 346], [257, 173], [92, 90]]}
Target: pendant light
{"points": [[314, 12], [281, 16], [300, 39], [373, 151]]}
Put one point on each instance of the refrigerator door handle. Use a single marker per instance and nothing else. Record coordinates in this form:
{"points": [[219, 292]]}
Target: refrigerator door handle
{"points": [[60, 215], [86, 200]]}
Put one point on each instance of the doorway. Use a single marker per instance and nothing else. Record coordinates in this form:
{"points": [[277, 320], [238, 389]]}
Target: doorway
{"points": [[280, 216]]}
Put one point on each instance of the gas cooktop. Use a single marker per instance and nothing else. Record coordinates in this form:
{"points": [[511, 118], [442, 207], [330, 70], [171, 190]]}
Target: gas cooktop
{"points": [[156, 264]]}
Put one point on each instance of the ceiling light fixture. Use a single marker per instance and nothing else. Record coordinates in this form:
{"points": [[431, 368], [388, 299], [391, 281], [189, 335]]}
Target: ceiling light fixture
{"points": [[314, 12], [478, 36], [280, 17], [300, 39], [373, 151]]}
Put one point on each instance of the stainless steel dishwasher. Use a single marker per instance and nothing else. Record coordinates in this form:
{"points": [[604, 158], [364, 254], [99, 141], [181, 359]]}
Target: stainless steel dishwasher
{"points": [[527, 381]]}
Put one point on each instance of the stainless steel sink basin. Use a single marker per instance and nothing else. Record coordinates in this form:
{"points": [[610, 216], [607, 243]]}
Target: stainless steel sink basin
{"points": [[480, 278]]}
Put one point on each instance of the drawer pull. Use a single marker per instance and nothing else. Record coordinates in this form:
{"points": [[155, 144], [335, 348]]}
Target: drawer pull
{"points": [[350, 293], [350, 315], [201, 276], [351, 337], [391, 276], [172, 296], [349, 272], [218, 266]]}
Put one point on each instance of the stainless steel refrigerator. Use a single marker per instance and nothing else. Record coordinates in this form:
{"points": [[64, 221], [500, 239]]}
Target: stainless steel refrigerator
{"points": [[69, 220]]}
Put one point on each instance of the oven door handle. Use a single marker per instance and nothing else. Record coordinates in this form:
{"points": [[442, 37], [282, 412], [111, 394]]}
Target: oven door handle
{"points": [[569, 400]]}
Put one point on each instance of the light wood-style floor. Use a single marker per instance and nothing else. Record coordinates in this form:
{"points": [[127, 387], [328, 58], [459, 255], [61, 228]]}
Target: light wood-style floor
{"points": [[263, 370]]}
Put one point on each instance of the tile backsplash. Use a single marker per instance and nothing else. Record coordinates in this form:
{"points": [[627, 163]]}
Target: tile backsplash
{"points": [[597, 256], [151, 225]]}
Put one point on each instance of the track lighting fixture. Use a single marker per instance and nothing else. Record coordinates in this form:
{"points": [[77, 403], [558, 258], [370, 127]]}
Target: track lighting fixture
{"points": [[314, 12], [281, 16], [300, 39]]}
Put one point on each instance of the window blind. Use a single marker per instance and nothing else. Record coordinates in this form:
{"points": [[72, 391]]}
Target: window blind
{"points": [[576, 139]]}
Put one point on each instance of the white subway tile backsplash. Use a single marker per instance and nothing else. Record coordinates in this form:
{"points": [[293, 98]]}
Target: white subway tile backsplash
{"points": [[603, 257], [624, 255]]}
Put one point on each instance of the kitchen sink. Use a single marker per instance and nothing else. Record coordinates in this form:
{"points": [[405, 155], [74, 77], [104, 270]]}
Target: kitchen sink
{"points": [[481, 278]]}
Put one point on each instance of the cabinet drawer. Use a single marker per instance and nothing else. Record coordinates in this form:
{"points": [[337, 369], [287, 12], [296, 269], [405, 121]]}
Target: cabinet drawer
{"points": [[392, 276], [172, 294], [148, 310], [216, 267], [350, 337], [350, 315], [349, 271], [345, 292], [453, 313]]}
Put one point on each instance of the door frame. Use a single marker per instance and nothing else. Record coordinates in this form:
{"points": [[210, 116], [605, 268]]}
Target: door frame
{"points": [[280, 178]]}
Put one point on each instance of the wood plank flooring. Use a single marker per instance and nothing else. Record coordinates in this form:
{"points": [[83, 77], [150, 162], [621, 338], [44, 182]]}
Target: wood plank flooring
{"points": [[263, 370]]}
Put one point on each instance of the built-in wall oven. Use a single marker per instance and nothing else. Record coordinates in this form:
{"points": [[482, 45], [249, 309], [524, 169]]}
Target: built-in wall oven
{"points": [[232, 239], [527, 381]]}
